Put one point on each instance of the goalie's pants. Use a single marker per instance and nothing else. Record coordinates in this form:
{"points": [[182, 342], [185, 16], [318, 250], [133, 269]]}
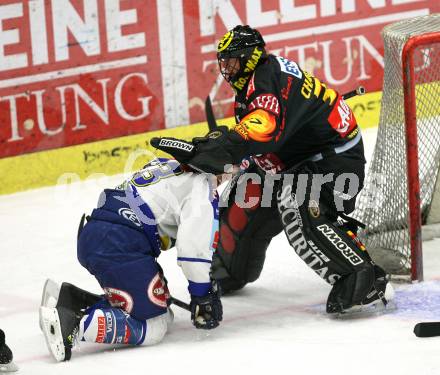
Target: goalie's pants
{"points": [[123, 263], [245, 233]]}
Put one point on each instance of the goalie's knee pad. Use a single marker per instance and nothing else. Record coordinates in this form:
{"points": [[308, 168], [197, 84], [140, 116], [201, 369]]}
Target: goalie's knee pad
{"points": [[245, 233]]}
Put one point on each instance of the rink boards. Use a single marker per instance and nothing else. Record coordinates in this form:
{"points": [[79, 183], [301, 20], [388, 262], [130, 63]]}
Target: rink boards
{"points": [[112, 156]]}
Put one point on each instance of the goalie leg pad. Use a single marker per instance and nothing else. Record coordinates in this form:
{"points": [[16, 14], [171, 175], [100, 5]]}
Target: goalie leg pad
{"points": [[245, 234], [326, 246]]}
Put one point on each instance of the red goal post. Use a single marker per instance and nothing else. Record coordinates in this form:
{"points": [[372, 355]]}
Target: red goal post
{"points": [[412, 154], [402, 187]]}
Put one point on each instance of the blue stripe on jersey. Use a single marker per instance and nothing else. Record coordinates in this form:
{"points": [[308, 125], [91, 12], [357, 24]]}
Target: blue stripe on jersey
{"points": [[198, 289], [214, 204], [215, 223], [146, 217], [184, 259]]}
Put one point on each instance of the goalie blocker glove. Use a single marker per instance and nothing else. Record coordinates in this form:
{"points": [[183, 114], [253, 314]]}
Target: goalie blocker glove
{"points": [[181, 150], [207, 311], [207, 154]]}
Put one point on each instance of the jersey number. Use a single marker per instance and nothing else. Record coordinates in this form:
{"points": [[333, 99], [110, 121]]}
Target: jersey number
{"points": [[155, 171]]}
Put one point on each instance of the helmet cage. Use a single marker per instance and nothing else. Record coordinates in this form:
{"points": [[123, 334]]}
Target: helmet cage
{"points": [[229, 66], [232, 64], [235, 55]]}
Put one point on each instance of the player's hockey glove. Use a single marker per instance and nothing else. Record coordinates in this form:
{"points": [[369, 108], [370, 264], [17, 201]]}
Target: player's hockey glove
{"points": [[207, 311]]}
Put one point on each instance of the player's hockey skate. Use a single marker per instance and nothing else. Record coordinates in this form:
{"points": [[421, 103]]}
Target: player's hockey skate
{"points": [[67, 295], [60, 312], [60, 328], [379, 300], [6, 356]]}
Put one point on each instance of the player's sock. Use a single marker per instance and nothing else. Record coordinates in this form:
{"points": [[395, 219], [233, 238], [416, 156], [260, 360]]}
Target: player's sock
{"points": [[114, 326]]}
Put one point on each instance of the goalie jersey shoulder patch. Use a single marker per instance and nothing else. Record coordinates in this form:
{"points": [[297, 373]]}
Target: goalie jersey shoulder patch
{"points": [[289, 67]]}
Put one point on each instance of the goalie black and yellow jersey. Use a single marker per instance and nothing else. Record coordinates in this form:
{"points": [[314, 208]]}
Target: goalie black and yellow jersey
{"points": [[290, 114]]}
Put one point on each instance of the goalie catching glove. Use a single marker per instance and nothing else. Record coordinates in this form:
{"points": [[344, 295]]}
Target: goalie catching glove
{"points": [[207, 311], [208, 154]]}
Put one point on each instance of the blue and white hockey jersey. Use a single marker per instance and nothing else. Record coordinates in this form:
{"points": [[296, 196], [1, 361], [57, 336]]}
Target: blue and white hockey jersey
{"points": [[169, 204]]}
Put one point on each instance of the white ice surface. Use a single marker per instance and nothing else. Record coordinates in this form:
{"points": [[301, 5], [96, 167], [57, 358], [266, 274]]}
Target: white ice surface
{"points": [[275, 325]]}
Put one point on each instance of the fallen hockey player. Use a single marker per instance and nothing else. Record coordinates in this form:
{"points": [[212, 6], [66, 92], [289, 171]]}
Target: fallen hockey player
{"points": [[119, 245]]}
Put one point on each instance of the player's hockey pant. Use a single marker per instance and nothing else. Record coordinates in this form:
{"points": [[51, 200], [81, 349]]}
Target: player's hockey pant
{"points": [[120, 259], [105, 324]]}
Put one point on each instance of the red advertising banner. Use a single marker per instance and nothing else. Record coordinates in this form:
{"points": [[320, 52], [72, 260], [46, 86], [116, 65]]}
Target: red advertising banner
{"points": [[76, 71], [339, 41]]}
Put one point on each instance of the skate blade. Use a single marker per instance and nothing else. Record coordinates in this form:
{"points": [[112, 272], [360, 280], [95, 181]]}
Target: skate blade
{"points": [[373, 309], [8, 367], [366, 311], [49, 298], [52, 332]]}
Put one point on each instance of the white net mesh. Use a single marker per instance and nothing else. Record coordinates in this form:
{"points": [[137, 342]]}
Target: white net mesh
{"points": [[383, 204]]}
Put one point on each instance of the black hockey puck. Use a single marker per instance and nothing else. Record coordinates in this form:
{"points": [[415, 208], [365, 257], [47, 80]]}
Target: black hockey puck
{"points": [[427, 329]]}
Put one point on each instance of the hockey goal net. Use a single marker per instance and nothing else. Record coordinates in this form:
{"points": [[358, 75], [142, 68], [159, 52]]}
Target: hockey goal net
{"points": [[400, 195]]}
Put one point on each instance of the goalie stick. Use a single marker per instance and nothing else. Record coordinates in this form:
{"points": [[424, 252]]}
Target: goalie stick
{"points": [[179, 303], [210, 118], [427, 329], [359, 91]]}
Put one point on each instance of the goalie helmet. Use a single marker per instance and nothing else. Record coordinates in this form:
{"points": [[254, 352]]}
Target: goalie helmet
{"points": [[239, 52]]}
